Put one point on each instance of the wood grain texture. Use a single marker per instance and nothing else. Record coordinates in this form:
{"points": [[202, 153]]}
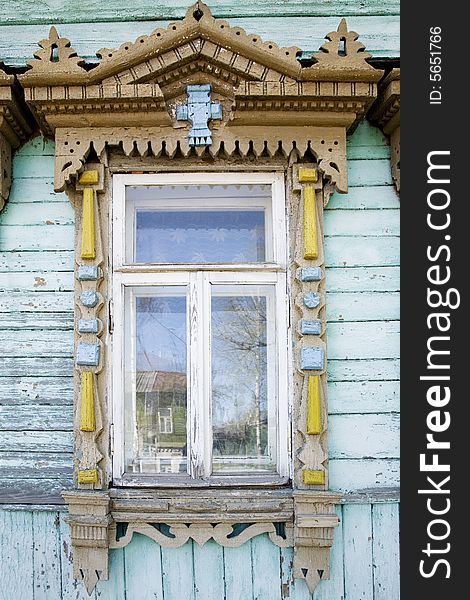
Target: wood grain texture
{"points": [[265, 559], [61, 260], [363, 279], [36, 417], [357, 539], [142, 557], [306, 32], [116, 10], [16, 556], [386, 551], [32, 366], [35, 465], [208, 559], [178, 572], [363, 397], [36, 390], [46, 556], [237, 569], [364, 436], [351, 475]]}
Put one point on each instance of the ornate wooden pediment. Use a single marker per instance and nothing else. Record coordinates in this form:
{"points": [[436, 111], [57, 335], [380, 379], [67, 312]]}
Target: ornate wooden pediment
{"points": [[270, 103], [14, 129]]}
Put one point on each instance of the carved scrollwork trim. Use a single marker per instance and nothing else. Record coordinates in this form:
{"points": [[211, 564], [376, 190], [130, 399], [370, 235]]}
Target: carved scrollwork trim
{"points": [[385, 112], [14, 129], [327, 144], [225, 534]]}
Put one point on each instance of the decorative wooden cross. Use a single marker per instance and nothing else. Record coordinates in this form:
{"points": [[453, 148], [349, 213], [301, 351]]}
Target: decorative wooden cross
{"points": [[199, 110]]}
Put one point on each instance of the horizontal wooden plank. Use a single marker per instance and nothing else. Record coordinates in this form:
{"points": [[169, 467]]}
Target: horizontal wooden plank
{"points": [[35, 213], [30, 343], [363, 370], [35, 190], [357, 222], [35, 320], [36, 390], [366, 135], [34, 491], [117, 10], [375, 339], [36, 237], [36, 367], [369, 172], [34, 465], [37, 146], [362, 306], [36, 261], [33, 302], [36, 441], [33, 167], [363, 397], [365, 197], [364, 436], [353, 475], [363, 279], [368, 152], [307, 33], [361, 251], [36, 417], [36, 281]]}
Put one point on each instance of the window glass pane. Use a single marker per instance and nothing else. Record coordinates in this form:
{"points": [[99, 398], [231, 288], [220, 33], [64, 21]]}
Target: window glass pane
{"points": [[243, 379], [155, 381], [199, 223]]}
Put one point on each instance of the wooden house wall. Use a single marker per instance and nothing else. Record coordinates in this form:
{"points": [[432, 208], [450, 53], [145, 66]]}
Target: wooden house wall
{"points": [[36, 333], [36, 321]]}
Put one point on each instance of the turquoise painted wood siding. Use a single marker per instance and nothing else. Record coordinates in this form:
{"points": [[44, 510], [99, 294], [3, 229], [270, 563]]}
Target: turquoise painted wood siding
{"points": [[364, 564], [92, 24], [36, 322]]}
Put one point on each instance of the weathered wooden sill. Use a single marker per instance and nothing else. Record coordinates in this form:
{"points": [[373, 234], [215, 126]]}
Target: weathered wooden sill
{"points": [[202, 505]]}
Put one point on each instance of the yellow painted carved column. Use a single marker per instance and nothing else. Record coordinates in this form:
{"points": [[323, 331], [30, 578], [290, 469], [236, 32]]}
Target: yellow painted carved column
{"points": [[309, 176], [87, 415], [88, 215], [314, 406]]}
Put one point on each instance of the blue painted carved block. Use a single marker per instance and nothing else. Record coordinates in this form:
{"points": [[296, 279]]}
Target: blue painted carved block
{"points": [[310, 327], [88, 326], [86, 273], [312, 300], [199, 110], [88, 355], [312, 359], [310, 274], [89, 298]]}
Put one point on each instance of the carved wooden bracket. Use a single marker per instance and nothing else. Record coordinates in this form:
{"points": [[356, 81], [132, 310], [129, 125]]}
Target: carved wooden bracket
{"points": [[125, 115], [386, 113], [101, 521], [14, 129]]}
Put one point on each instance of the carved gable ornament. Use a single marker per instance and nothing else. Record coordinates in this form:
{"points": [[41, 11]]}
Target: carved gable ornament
{"points": [[197, 95], [14, 129]]}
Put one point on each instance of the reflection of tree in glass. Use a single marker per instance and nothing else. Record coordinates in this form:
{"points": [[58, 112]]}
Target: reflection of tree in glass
{"points": [[239, 375]]}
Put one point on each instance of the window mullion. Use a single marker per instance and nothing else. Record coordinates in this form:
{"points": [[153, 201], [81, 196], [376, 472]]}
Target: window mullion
{"points": [[196, 425], [206, 356]]}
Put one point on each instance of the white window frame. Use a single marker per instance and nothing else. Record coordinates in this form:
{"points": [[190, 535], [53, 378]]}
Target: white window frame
{"points": [[198, 278]]}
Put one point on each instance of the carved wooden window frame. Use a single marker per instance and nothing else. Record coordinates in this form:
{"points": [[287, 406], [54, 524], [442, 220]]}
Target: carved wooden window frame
{"points": [[127, 115], [272, 272]]}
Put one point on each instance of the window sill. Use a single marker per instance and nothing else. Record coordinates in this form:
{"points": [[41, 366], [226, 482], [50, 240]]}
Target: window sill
{"points": [[183, 482], [189, 505]]}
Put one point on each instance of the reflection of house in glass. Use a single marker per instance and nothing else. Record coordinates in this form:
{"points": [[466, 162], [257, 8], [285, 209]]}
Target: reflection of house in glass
{"points": [[161, 422]]}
